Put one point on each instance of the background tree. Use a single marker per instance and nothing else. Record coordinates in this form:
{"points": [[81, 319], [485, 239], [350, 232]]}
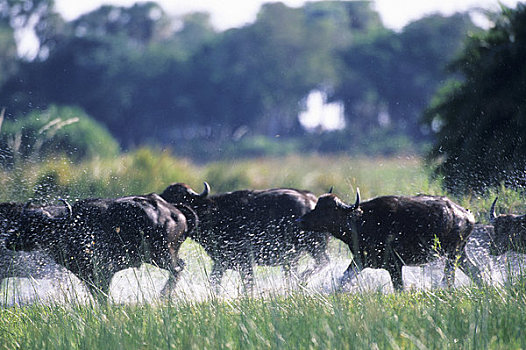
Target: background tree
{"points": [[389, 78], [481, 120], [152, 79], [8, 53]]}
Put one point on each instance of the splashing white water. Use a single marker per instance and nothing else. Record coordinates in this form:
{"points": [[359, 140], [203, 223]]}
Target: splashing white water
{"points": [[144, 284]]}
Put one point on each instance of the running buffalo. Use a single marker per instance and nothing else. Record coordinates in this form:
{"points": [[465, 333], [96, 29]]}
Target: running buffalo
{"points": [[242, 228], [509, 232], [391, 231], [95, 238]]}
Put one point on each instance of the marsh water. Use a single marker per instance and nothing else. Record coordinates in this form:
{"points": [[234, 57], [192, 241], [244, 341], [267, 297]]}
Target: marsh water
{"points": [[33, 277]]}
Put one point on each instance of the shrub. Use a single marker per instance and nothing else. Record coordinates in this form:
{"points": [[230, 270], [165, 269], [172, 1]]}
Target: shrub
{"points": [[58, 130]]}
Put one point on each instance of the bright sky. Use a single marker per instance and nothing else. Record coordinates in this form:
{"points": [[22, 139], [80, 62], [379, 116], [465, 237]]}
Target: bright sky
{"points": [[232, 13]]}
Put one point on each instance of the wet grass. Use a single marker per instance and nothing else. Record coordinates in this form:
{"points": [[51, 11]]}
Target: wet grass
{"points": [[493, 318]]}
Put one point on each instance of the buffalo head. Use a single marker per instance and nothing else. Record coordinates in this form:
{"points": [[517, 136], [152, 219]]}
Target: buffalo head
{"points": [[178, 193], [331, 214], [509, 232]]}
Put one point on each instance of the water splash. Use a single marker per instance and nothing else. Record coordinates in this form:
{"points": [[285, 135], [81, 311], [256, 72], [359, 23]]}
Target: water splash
{"points": [[144, 284]]}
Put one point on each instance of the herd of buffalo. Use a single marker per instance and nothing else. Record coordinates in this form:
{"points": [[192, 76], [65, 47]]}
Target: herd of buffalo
{"points": [[95, 238]]}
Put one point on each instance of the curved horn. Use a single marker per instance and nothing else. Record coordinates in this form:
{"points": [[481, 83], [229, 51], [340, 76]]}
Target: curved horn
{"points": [[68, 208], [206, 191], [330, 189], [357, 203], [492, 214]]}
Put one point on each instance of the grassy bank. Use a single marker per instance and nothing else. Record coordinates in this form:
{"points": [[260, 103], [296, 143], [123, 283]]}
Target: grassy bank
{"points": [[465, 318], [147, 170]]}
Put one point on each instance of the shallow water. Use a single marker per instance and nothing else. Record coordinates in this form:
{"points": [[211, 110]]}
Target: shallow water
{"points": [[52, 284]]}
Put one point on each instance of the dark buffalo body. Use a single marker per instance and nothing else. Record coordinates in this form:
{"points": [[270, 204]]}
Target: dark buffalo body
{"points": [[392, 231], [509, 232], [242, 228], [99, 237], [22, 264]]}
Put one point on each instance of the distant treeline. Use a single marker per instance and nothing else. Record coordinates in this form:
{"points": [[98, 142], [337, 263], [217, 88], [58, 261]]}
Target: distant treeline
{"points": [[121, 77], [152, 79]]}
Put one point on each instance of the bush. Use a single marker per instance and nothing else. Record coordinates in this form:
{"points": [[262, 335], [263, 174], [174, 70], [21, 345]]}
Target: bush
{"points": [[59, 130]]}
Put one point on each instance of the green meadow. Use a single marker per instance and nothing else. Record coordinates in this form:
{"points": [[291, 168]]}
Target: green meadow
{"points": [[467, 318], [472, 317]]}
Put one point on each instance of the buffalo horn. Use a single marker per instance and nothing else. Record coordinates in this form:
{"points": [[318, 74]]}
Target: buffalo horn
{"points": [[206, 191], [68, 208], [330, 190], [492, 214], [357, 203]]}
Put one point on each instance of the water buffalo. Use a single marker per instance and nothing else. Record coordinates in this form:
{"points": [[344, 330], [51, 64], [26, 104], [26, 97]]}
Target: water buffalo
{"points": [[95, 238], [241, 228], [392, 231], [509, 232]]}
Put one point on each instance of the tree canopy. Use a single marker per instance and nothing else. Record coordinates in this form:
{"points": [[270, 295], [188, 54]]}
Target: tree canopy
{"points": [[481, 119], [150, 78]]}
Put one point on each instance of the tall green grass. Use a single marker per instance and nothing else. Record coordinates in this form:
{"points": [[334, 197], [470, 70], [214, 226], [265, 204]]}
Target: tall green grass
{"points": [[460, 319]]}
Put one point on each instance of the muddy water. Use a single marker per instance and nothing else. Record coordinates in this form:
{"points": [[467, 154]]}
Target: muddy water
{"points": [[33, 278]]}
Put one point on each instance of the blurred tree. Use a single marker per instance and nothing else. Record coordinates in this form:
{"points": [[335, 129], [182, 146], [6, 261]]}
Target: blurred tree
{"points": [[141, 23], [196, 30], [253, 78], [24, 13], [8, 54], [481, 120], [390, 77], [153, 79], [114, 69], [24, 16]]}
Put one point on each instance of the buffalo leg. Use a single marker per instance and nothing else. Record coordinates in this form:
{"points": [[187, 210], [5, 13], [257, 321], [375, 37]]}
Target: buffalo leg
{"points": [[355, 267], [449, 273], [470, 269], [321, 259], [247, 276], [318, 251], [396, 277], [290, 269], [174, 277], [216, 275], [350, 275]]}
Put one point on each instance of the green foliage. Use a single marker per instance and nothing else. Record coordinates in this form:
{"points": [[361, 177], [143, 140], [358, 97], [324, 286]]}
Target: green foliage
{"points": [[260, 146], [224, 177], [147, 170], [155, 80], [396, 74], [142, 23], [142, 171], [8, 54], [480, 121], [59, 130]]}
